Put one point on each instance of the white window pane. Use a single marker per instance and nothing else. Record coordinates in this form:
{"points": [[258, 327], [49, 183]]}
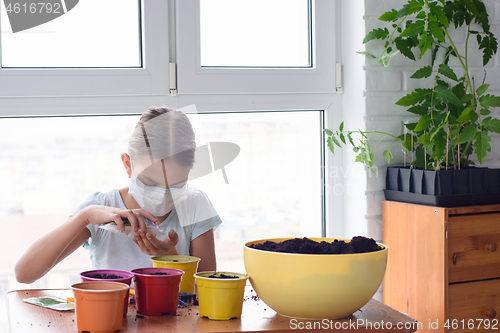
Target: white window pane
{"points": [[93, 33], [255, 33], [49, 167], [275, 182]]}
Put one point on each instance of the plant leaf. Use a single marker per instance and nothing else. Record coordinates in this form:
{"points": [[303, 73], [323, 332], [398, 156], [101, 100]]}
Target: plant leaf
{"points": [[482, 89], [389, 16], [327, 131], [465, 115], [410, 8], [447, 95], [447, 71], [378, 33], [489, 46], [423, 123], [466, 98], [489, 100], [330, 145], [413, 98], [342, 137], [441, 16], [484, 112], [425, 43], [422, 72], [334, 139], [439, 145], [403, 45], [482, 145], [366, 53], [467, 134], [436, 31], [413, 29], [418, 109], [491, 124], [349, 136], [384, 60], [341, 127], [388, 155]]}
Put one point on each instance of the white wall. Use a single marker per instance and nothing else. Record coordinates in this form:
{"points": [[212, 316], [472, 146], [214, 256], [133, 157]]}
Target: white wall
{"points": [[353, 108]]}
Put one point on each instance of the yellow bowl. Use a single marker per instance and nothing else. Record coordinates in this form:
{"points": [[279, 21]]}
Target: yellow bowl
{"points": [[220, 299], [314, 286], [188, 264]]}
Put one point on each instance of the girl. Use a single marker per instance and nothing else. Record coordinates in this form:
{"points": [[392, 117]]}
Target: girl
{"points": [[160, 157]]}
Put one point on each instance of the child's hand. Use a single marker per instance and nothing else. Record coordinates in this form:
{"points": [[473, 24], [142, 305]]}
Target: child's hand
{"points": [[153, 246], [102, 214]]}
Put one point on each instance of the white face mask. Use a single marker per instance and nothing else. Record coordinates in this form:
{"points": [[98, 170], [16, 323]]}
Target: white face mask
{"points": [[156, 200]]}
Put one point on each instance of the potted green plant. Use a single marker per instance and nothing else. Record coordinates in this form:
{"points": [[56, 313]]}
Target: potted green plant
{"points": [[454, 121]]}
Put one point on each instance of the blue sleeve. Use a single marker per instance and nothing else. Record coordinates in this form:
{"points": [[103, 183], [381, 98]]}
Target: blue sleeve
{"points": [[97, 198], [201, 227], [204, 212]]}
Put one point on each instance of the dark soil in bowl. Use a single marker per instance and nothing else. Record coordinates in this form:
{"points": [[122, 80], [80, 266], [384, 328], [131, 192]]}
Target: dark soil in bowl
{"points": [[358, 244], [104, 276], [222, 276], [158, 273]]}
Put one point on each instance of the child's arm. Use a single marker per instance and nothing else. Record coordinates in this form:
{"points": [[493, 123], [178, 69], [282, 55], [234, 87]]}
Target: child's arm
{"points": [[203, 247], [65, 239]]}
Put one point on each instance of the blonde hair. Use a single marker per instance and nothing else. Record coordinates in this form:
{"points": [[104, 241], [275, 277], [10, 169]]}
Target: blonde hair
{"points": [[163, 133]]}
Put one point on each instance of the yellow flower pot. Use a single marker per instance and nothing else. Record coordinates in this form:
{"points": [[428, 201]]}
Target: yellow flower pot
{"points": [[188, 264], [220, 298], [314, 286]]}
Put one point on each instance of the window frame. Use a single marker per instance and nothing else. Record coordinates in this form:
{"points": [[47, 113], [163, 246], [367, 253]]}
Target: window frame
{"points": [[152, 78], [192, 78], [160, 35]]}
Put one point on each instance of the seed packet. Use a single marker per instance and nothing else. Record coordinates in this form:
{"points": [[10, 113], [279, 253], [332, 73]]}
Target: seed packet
{"points": [[51, 302], [129, 232]]}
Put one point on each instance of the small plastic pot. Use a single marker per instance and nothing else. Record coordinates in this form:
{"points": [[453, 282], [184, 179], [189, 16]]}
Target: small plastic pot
{"points": [[157, 290], [220, 298], [188, 264], [125, 277], [99, 306]]}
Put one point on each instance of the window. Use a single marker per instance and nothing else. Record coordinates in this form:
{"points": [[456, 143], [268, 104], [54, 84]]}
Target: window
{"points": [[93, 33], [50, 165], [258, 33], [202, 43], [136, 56]]}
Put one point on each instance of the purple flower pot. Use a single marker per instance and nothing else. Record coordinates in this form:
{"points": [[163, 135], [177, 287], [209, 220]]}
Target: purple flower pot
{"points": [[122, 276]]}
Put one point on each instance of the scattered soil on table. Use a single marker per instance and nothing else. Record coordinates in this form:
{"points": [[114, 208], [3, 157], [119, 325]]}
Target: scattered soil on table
{"points": [[223, 276], [105, 276], [358, 244], [253, 296], [159, 273]]}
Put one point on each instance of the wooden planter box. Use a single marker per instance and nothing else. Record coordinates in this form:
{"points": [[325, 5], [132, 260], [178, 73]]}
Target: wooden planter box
{"points": [[443, 265], [443, 188]]}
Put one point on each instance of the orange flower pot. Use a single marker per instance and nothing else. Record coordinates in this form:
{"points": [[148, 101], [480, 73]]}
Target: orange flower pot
{"points": [[99, 306], [121, 276]]}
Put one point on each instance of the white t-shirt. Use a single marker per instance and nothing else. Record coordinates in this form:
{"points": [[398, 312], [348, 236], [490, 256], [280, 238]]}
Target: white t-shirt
{"points": [[109, 250]]}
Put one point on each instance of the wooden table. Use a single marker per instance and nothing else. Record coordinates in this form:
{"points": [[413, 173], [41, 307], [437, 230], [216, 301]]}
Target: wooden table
{"points": [[256, 317]]}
